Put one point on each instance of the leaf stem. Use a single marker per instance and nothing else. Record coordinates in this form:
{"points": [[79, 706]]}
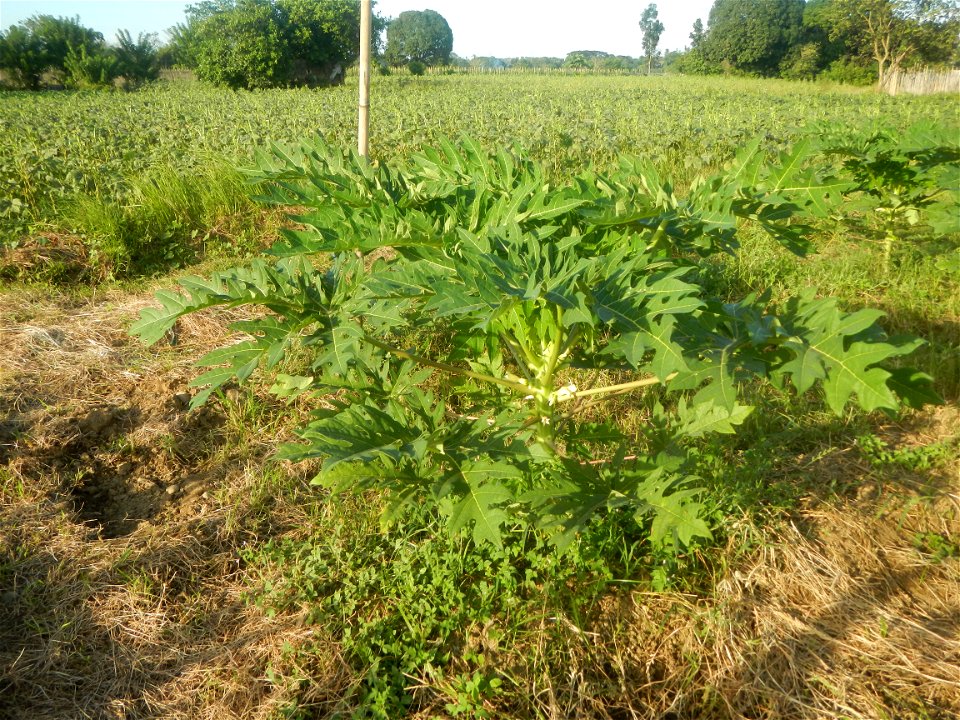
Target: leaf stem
{"points": [[611, 389]]}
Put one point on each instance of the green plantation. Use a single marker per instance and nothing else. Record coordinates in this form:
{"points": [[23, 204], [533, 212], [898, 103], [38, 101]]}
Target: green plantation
{"points": [[57, 146], [586, 396]]}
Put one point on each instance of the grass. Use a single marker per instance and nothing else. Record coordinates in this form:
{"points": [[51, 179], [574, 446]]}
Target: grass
{"points": [[169, 220], [918, 297]]}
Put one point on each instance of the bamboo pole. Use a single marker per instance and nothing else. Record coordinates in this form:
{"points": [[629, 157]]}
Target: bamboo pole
{"points": [[363, 125]]}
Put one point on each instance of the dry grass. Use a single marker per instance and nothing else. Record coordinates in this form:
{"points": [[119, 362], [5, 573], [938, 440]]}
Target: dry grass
{"points": [[119, 599], [838, 615]]}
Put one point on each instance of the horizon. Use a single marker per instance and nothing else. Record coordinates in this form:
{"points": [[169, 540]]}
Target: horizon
{"points": [[496, 28]]}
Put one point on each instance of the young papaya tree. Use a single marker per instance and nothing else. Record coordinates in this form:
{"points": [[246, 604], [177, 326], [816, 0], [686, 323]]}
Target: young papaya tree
{"points": [[465, 321], [899, 181]]}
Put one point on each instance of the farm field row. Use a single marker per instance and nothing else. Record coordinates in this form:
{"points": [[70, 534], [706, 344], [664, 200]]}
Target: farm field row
{"points": [[54, 146]]}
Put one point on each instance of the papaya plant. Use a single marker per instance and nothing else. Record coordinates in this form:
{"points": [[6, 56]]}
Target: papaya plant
{"points": [[900, 180], [465, 321]]}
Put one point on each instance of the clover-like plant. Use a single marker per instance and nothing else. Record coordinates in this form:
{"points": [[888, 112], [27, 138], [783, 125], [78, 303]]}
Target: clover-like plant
{"points": [[460, 315]]}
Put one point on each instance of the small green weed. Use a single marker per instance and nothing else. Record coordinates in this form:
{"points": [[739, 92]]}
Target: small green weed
{"points": [[938, 546], [424, 616], [924, 457]]}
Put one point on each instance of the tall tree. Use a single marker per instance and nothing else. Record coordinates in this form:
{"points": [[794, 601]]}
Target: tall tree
{"points": [[419, 36], [137, 60], [753, 36], [897, 32], [60, 34], [652, 29], [271, 43], [697, 35], [42, 43], [23, 56]]}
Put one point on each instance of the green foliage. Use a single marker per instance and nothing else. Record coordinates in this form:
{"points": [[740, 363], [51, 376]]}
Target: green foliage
{"points": [[180, 48], [137, 60], [242, 45], [850, 71], [921, 458], [45, 43], [271, 43], [94, 69], [652, 29], [939, 547], [901, 181], [416, 604], [416, 68], [753, 36], [895, 33], [537, 291], [421, 36], [60, 145], [23, 56], [167, 221]]}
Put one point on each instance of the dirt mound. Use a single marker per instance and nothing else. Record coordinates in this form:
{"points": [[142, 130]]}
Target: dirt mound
{"points": [[124, 463], [90, 415]]}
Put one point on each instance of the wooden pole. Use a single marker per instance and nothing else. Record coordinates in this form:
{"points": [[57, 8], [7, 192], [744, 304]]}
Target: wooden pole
{"points": [[363, 144]]}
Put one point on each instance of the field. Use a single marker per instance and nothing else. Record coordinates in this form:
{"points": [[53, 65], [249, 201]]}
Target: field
{"points": [[158, 561]]}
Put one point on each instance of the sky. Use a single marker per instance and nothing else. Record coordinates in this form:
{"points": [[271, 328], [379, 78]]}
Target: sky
{"points": [[501, 28]]}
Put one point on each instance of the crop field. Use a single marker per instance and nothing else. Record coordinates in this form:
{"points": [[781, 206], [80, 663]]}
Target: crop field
{"points": [[589, 397]]}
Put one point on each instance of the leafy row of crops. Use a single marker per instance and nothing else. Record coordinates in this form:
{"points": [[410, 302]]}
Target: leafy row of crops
{"points": [[58, 145]]}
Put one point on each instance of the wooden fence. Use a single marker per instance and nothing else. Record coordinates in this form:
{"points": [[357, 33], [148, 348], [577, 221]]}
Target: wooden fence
{"points": [[923, 82]]}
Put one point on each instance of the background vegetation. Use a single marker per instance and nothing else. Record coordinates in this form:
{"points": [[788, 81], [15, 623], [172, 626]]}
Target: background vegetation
{"points": [[283, 43]]}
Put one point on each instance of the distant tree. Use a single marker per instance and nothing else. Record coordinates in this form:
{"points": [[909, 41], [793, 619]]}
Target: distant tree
{"points": [[422, 36], [181, 45], [484, 62], [673, 60], [694, 60], [60, 34], [593, 60], [577, 60], [86, 69], [41, 44], [697, 35], [23, 57], [894, 33], [324, 38], [753, 36], [272, 43], [137, 60], [241, 43], [652, 29]]}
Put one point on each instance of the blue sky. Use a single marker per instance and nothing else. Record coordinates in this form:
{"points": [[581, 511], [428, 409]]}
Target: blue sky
{"points": [[504, 28]]}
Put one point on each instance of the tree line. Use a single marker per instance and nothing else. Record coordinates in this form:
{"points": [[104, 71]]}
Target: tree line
{"points": [[248, 44], [856, 41], [282, 43], [73, 55]]}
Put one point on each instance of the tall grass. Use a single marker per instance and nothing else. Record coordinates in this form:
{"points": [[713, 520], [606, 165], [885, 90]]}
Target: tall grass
{"points": [[166, 219]]}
